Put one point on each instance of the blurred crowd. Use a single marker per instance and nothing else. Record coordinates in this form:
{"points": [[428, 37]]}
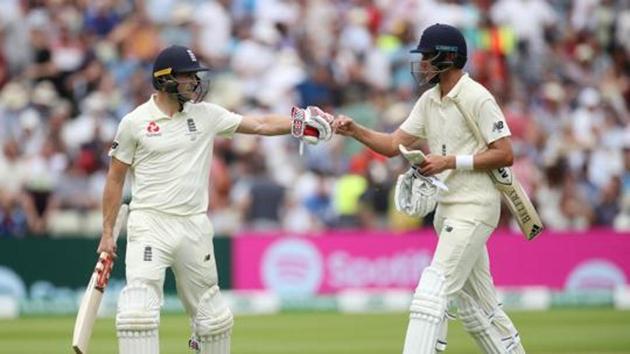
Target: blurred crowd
{"points": [[70, 69]]}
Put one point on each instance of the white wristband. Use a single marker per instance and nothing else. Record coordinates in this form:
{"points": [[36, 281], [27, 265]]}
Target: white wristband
{"points": [[464, 162]]}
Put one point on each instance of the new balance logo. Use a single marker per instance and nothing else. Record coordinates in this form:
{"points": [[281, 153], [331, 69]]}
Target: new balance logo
{"points": [[498, 126]]}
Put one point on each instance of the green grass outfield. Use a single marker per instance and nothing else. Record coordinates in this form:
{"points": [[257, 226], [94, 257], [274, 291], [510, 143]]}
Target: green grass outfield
{"points": [[558, 331]]}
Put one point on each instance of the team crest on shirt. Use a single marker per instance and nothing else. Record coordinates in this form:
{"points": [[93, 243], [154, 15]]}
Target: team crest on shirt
{"points": [[153, 129], [192, 131]]}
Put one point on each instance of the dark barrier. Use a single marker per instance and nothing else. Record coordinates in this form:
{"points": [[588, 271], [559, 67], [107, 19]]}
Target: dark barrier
{"points": [[68, 263]]}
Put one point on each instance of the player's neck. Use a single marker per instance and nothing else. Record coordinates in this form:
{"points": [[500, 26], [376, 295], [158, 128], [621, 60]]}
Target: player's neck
{"points": [[167, 104], [449, 79]]}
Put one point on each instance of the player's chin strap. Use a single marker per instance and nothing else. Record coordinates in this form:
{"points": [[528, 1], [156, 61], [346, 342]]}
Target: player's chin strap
{"points": [[200, 88]]}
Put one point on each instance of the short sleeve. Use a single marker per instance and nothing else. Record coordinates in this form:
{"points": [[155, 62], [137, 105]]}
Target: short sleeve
{"points": [[224, 122], [124, 145], [414, 124], [492, 122]]}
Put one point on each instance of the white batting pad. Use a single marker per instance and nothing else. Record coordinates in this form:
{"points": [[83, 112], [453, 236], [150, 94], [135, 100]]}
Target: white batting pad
{"points": [[481, 328], [509, 335], [213, 323], [137, 320], [440, 346], [427, 313]]}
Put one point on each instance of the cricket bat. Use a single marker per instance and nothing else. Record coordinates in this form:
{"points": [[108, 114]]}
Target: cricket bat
{"points": [[517, 201], [505, 181], [94, 292]]}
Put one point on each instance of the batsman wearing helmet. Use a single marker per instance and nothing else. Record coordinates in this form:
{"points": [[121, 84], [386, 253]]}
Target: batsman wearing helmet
{"points": [[468, 206], [166, 145]]}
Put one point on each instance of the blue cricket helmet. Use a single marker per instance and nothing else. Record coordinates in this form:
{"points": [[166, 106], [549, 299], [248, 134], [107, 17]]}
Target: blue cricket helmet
{"points": [[178, 59], [440, 38]]}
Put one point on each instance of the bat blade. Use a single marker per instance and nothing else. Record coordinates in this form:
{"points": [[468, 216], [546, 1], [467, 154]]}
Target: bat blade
{"points": [[86, 317], [93, 295], [518, 202]]}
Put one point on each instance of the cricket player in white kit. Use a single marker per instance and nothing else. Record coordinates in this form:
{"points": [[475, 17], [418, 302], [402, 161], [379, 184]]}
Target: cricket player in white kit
{"points": [[166, 145], [468, 211]]}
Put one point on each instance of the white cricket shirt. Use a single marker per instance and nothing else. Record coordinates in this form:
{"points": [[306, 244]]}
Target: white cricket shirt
{"points": [[471, 194], [169, 157]]}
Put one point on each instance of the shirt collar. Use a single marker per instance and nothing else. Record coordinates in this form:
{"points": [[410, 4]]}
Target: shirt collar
{"points": [[154, 110], [435, 94], [458, 86]]}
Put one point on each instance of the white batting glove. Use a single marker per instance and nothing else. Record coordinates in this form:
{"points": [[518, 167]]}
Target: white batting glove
{"points": [[415, 194], [311, 124]]}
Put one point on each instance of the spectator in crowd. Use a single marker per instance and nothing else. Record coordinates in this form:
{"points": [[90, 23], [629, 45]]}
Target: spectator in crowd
{"points": [[262, 198]]}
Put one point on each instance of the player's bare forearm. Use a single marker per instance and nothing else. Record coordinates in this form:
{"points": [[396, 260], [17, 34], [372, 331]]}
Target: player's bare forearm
{"points": [[112, 195], [499, 154], [269, 124], [383, 143]]}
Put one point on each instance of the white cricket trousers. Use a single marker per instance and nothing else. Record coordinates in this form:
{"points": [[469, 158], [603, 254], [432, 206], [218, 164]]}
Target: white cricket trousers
{"points": [[156, 241], [462, 254]]}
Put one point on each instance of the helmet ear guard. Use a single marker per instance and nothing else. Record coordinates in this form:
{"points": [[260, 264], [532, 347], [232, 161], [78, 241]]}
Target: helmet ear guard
{"points": [[169, 84], [166, 83], [460, 61]]}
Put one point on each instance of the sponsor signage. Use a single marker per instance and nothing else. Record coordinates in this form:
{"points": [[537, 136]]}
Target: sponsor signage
{"points": [[338, 261]]}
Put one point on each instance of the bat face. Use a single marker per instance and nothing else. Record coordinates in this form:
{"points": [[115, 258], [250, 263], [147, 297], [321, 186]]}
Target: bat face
{"points": [[521, 207], [91, 301]]}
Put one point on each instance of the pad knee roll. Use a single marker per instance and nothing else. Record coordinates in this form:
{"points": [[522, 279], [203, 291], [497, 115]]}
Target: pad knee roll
{"points": [[214, 318], [138, 310], [429, 299], [426, 332]]}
